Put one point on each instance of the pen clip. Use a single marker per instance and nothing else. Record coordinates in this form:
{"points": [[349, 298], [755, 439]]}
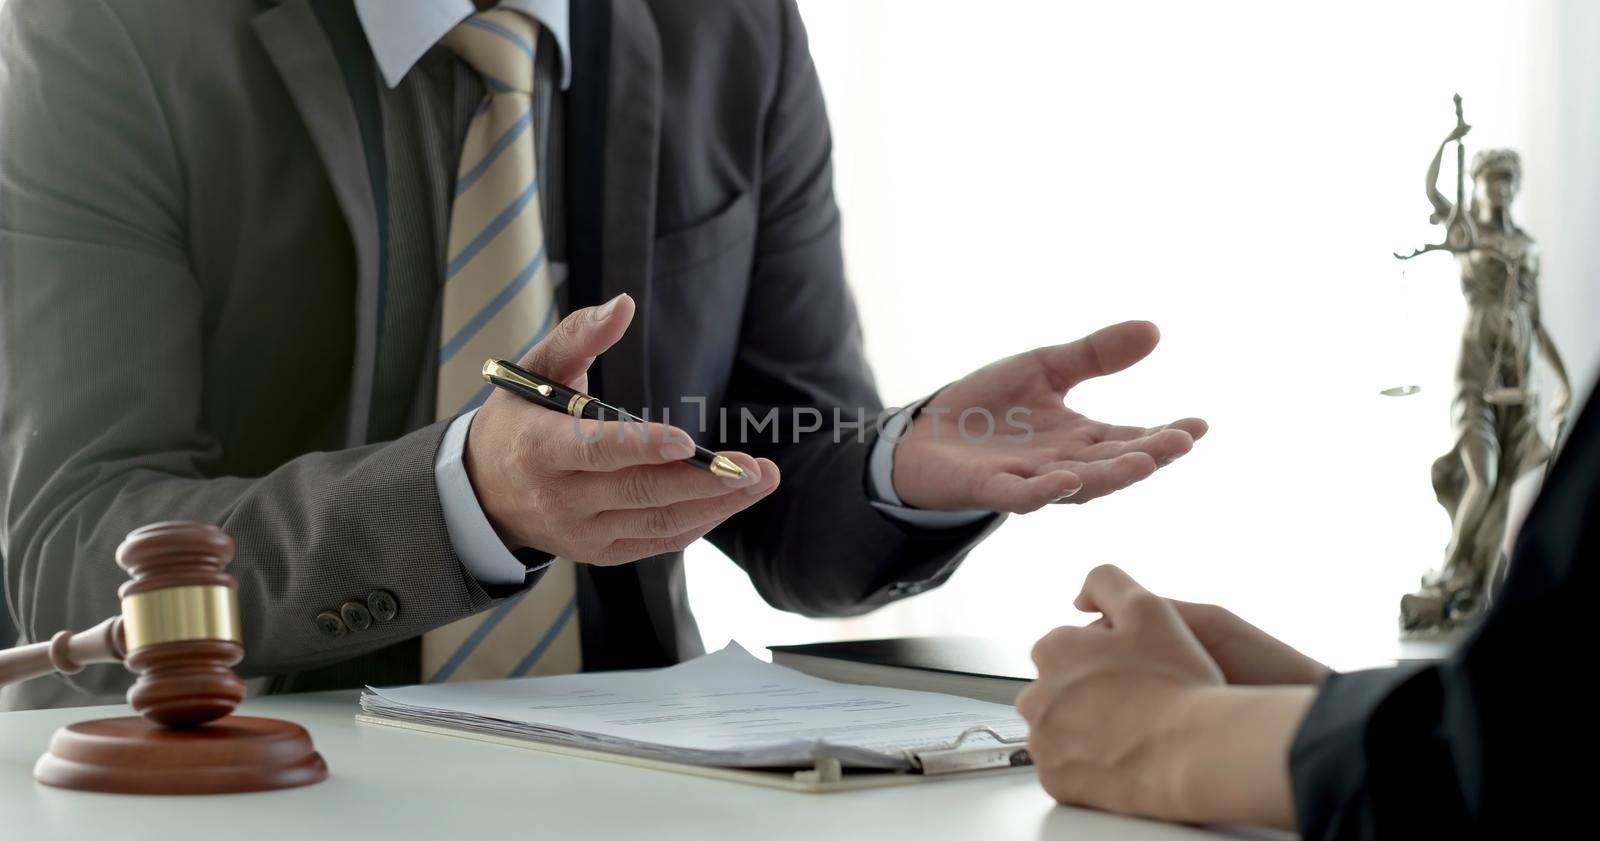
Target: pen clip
{"points": [[494, 369]]}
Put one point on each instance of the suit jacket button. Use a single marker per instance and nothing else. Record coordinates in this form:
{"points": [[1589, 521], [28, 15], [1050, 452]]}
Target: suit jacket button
{"points": [[356, 615], [382, 604], [330, 624]]}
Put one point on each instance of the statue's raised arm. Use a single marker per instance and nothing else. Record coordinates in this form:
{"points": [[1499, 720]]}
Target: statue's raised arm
{"points": [[1459, 235], [1442, 208]]}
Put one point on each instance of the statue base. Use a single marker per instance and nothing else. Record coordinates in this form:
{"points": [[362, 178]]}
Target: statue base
{"points": [[1446, 608], [1430, 648], [134, 756], [1433, 615]]}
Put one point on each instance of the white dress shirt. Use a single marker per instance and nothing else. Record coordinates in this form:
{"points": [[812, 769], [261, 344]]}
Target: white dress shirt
{"points": [[400, 32]]}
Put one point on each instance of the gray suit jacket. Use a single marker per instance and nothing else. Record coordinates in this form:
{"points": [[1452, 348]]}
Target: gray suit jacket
{"points": [[191, 254]]}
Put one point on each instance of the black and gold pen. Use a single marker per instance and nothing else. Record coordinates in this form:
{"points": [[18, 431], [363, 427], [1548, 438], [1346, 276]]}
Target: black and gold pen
{"points": [[557, 397]]}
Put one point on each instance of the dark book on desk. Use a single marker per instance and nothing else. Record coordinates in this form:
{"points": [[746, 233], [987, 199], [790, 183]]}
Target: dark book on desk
{"points": [[971, 667]]}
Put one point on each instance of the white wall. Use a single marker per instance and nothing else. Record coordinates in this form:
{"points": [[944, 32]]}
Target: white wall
{"points": [[1014, 173], [1564, 153]]}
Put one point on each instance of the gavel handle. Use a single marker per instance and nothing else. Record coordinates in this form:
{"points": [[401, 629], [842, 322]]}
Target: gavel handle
{"points": [[66, 653]]}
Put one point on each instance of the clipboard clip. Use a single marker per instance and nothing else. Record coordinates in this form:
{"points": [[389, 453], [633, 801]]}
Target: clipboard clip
{"points": [[1010, 752]]}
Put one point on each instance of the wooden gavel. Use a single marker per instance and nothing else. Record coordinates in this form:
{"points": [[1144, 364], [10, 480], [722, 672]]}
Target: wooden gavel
{"points": [[179, 628], [179, 632]]}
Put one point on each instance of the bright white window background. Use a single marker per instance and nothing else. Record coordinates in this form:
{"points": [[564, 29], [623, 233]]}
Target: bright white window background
{"points": [[1017, 173]]}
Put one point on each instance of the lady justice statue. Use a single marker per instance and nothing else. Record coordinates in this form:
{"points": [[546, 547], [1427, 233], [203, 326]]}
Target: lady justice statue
{"points": [[1496, 412]]}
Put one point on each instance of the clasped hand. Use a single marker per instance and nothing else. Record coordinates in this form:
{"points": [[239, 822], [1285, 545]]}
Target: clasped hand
{"points": [[1166, 709]]}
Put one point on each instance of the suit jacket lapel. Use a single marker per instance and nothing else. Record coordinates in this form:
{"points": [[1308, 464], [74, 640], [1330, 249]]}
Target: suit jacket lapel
{"points": [[632, 144], [305, 58], [628, 190], [632, 616]]}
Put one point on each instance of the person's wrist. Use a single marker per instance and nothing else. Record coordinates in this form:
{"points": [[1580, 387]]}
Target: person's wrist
{"points": [[481, 475], [1185, 716], [902, 427], [1314, 673], [1232, 758], [897, 429]]}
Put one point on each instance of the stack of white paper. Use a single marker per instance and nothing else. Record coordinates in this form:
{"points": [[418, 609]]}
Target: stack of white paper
{"points": [[728, 709]]}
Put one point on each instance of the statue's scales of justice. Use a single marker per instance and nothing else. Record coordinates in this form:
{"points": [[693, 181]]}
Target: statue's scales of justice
{"points": [[1496, 411]]}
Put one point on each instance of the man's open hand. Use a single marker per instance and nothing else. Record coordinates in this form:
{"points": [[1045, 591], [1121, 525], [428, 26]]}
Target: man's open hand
{"points": [[945, 464]]}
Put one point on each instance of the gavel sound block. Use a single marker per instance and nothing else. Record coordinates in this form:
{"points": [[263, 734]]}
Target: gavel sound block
{"points": [[179, 631]]}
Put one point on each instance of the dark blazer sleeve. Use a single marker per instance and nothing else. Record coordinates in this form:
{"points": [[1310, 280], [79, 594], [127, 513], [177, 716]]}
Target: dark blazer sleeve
{"points": [[1490, 743], [102, 345], [816, 546]]}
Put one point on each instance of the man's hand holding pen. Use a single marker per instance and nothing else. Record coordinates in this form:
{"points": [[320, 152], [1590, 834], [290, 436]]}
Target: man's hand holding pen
{"points": [[590, 490]]}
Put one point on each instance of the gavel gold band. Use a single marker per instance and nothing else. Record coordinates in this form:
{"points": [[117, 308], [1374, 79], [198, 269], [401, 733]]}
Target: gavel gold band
{"points": [[179, 614]]}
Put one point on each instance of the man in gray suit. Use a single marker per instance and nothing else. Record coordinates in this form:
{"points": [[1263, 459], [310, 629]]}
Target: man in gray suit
{"points": [[234, 240]]}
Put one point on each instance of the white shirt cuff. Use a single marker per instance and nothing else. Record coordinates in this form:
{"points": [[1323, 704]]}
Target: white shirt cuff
{"points": [[481, 551], [880, 479]]}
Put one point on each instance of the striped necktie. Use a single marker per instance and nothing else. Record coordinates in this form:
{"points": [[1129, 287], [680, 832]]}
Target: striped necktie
{"points": [[499, 301]]}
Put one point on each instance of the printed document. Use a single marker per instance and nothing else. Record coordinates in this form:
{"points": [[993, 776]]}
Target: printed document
{"points": [[728, 708]]}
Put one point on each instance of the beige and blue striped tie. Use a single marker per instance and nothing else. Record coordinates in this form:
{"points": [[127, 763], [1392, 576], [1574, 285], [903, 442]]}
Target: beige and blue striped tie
{"points": [[499, 301]]}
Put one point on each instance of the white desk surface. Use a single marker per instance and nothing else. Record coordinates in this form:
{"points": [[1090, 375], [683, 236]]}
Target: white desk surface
{"points": [[392, 784]]}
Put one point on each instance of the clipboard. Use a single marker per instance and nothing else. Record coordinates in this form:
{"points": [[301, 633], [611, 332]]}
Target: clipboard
{"points": [[951, 761]]}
